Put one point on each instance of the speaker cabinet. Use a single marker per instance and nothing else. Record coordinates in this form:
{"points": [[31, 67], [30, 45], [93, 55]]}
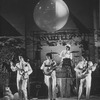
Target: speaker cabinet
{"points": [[38, 90]]}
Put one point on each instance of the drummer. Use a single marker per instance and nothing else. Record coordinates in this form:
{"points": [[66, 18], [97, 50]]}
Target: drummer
{"points": [[66, 53], [66, 60]]}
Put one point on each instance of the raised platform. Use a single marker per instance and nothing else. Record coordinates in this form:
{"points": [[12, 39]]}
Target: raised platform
{"points": [[72, 98]]}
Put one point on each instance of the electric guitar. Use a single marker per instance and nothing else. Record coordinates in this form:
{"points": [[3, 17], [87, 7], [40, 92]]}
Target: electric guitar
{"points": [[82, 73], [49, 69], [23, 72]]}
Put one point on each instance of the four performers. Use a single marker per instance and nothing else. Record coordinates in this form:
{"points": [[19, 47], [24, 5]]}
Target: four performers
{"points": [[83, 74]]}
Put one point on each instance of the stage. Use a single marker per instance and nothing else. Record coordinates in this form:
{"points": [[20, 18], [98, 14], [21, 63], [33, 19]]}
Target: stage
{"points": [[72, 98]]}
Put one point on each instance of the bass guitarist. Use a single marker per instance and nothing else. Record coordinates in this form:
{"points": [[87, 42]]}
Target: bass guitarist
{"points": [[48, 67], [23, 71], [83, 76]]}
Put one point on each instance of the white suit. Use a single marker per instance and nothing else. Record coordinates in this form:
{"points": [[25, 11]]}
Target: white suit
{"points": [[50, 81], [21, 81], [86, 81]]}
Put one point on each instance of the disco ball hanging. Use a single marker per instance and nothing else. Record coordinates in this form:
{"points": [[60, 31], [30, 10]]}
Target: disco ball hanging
{"points": [[51, 15]]}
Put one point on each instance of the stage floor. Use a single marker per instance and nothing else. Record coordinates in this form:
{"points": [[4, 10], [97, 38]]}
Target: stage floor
{"points": [[72, 98]]}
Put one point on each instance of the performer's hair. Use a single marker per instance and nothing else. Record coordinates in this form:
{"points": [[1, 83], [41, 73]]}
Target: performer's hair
{"points": [[49, 54], [23, 56], [86, 57], [68, 47]]}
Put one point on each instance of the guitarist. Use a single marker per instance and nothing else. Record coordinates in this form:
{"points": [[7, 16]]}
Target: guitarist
{"points": [[50, 80], [23, 71], [83, 76]]}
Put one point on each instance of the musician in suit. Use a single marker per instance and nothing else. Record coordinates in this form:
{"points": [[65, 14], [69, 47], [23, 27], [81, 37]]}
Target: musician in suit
{"points": [[83, 74], [23, 71], [50, 80]]}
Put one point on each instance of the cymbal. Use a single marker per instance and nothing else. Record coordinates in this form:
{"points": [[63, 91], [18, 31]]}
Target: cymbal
{"points": [[53, 52], [74, 51]]}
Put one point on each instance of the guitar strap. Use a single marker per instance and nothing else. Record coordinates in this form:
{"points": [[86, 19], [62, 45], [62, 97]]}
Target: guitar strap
{"points": [[85, 67], [50, 64], [52, 61]]}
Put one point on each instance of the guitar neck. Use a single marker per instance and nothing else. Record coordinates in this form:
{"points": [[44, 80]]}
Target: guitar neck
{"points": [[90, 68]]}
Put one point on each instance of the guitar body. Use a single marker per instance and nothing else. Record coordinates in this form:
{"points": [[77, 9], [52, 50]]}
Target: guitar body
{"points": [[82, 74], [25, 76], [23, 72], [48, 70]]}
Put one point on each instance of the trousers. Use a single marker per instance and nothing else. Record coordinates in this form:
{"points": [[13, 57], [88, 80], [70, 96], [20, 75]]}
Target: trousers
{"points": [[86, 82], [22, 88], [50, 81]]}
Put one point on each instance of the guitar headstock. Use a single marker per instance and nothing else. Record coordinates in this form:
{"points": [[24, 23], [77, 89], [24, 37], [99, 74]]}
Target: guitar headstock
{"points": [[94, 66]]}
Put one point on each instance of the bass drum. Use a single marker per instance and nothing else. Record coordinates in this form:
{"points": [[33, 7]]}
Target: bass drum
{"points": [[64, 82], [65, 70], [67, 62], [61, 73]]}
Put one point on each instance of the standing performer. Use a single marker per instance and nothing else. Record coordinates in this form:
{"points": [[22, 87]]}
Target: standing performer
{"points": [[48, 67], [80, 64], [23, 71], [83, 73]]}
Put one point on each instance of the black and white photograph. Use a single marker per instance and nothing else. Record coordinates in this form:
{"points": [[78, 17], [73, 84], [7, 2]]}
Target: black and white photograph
{"points": [[49, 49]]}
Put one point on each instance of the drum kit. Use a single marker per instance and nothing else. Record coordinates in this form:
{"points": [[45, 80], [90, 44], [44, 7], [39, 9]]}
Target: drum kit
{"points": [[74, 58], [58, 53]]}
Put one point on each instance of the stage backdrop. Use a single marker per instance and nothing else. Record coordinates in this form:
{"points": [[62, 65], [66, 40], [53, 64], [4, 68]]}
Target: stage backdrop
{"points": [[44, 42]]}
